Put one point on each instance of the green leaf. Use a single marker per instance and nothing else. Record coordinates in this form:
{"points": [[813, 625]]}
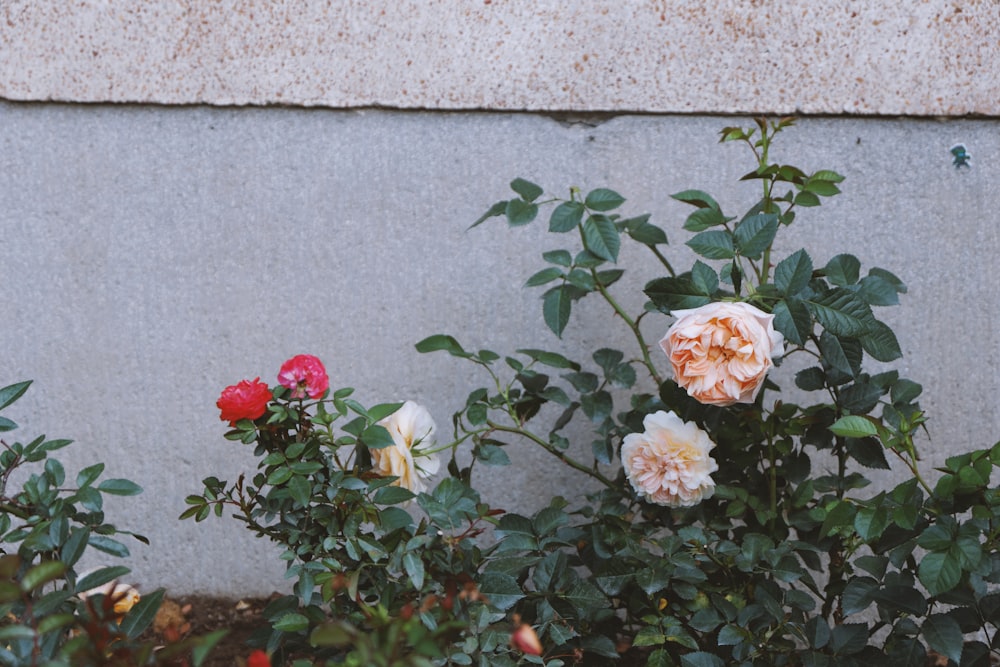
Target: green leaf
{"points": [[939, 572], [109, 546], [842, 313], [680, 293], [546, 275], [880, 342], [566, 216], [792, 274], [292, 622], [558, 257], [300, 489], [713, 244], [442, 342], [792, 319], [704, 278], [491, 455], [806, 199], [701, 659], [603, 199], [552, 359], [120, 487], [704, 218], [835, 355], [279, 476], [754, 234], [142, 614], [377, 437], [87, 476], [42, 574], [414, 567], [849, 638], [501, 590], [827, 175], [556, 306], [647, 234], [520, 212], [696, 198], [820, 187], [843, 270], [101, 577], [601, 237], [877, 291], [944, 635], [529, 191], [853, 426], [12, 392], [497, 209]]}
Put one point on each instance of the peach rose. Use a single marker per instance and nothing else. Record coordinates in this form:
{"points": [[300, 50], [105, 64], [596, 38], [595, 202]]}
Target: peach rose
{"points": [[411, 428], [722, 351], [669, 463], [120, 597]]}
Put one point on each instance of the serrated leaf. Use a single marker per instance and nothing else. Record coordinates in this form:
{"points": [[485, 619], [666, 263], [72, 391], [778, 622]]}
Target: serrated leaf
{"points": [[877, 291], [566, 216], [603, 199], [704, 278], [501, 590], [544, 276], [647, 234], [827, 175], [601, 237], [843, 270], [414, 567], [680, 293], [792, 274], [842, 313], [696, 198], [754, 234], [497, 209], [441, 342], [880, 342], [520, 212], [792, 320], [556, 307], [944, 635], [558, 257], [854, 426], [701, 659], [713, 244], [704, 218], [939, 572], [528, 190]]}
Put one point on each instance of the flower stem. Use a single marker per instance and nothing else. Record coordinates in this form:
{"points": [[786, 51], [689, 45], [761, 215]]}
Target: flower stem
{"points": [[571, 462], [643, 347]]}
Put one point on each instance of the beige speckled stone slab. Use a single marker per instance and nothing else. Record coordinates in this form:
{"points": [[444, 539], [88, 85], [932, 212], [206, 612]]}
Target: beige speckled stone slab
{"points": [[916, 57]]}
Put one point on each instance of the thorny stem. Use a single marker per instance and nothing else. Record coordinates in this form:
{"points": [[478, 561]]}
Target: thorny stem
{"points": [[633, 325], [571, 462]]}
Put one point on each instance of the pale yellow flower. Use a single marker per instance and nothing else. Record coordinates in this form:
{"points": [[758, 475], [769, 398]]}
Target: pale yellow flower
{"points": [[125, 597], [669, 463], [722, 351], [411, 428]]}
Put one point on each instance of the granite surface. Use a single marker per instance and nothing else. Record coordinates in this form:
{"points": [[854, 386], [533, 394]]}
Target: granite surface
{"points": [[921, 57]]}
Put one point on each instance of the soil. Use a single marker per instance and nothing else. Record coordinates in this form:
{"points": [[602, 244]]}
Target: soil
{"points": [[195, 616]]}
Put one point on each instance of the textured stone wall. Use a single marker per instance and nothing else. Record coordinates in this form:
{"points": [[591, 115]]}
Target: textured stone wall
{"points": [[921, 57]]}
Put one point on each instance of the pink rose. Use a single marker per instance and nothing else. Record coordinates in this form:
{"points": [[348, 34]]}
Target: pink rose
{"points": [[722, 351], [246, 400], [669, 462], [305, 376]]}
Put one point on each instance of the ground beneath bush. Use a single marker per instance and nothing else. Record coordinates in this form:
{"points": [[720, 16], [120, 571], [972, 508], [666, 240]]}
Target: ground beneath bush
{"points": [[195, 616]]}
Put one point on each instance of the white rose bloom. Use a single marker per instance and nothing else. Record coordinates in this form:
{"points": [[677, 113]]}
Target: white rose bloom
{"points": [[411, 428], [669, 463]]}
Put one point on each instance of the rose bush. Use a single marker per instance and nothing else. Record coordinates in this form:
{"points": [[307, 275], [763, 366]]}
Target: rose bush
{"points": [[726, 524]]}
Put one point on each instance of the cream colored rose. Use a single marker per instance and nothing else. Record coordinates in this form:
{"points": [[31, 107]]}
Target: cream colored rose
{"points": [[411, 428], [669, 463], [722, 351]]}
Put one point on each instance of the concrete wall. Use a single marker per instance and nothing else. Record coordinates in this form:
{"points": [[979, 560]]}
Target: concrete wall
{"points": [[154, 254]]}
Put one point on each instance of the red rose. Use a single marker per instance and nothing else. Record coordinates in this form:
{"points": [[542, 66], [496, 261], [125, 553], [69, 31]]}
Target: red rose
{"points": [[258, 659], [246, 400], [304, 375]]}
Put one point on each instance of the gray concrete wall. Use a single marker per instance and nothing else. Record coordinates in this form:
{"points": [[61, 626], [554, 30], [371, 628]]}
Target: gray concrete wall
{"points": [[154, 255]]}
